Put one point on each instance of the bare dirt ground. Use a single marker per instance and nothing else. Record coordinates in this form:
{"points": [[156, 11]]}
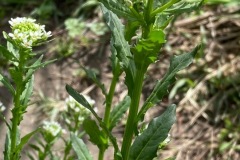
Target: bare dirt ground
{"points": [[202, 107]]}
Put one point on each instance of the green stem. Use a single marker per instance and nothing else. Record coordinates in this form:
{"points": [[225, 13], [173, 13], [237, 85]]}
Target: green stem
{"points": [[147, 18], [138, 16], [129, 129], [46, 151], [148, 10], [101, 154], [109, 99], [16, 113]]}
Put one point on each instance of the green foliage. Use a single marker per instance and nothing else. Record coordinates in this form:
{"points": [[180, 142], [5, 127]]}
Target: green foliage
{"points": [[96, 136], [80, 148], [148, 20], [121, 46], [92, 75], [5, 81], [118, 112], [146, 144], [24, 140], [118, 7], [177, 63]]}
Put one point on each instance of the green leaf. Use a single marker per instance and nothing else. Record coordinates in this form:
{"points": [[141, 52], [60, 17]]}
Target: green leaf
{"points": [[16, 75], [25, 139], [80, 148], [36, 65], [7, 84], [121, 45], [30, 156], [35, 147], [179, 84], [177, 63], [131, 29], [116, 69], [27, 92], [183, 7], [146, 50], [146, 145], [91, 74], [162, 20], [117, 7], [7, 54], [118, 111], [7, 149], [96, 136], [12, 49], [80, 99]]}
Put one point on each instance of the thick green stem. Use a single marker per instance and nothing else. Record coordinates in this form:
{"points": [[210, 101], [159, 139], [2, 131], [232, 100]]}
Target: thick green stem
{"points": [[129, 129]]}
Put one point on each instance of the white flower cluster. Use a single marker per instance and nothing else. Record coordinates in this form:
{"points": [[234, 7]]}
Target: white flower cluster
{"points": [[52, 128], [27, 33], [81, 111], [2, 107]]}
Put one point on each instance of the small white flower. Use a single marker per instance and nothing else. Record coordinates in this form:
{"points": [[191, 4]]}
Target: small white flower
{"points": [[53, 128], [89, 99], [2, 107], [168, 139], [79, 110], [26, 33]]}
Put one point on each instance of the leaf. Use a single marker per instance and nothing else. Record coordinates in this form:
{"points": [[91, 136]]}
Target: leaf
{"points": [[80, 99], [131, 29], [27, 92], [146, 145], [7, 54], [36, 65], [182, 7], [15, 75], [80, 148], [116, 70], [146, 50], [121, 45], [40, 65], [177, 63], [118, 112], [25, 139], [162, 20], [11, 48], [91, 74], [96, 136], [35, 147], [30, 156], [179, 84], [7, 149], [7, 84], [119, 9]]}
